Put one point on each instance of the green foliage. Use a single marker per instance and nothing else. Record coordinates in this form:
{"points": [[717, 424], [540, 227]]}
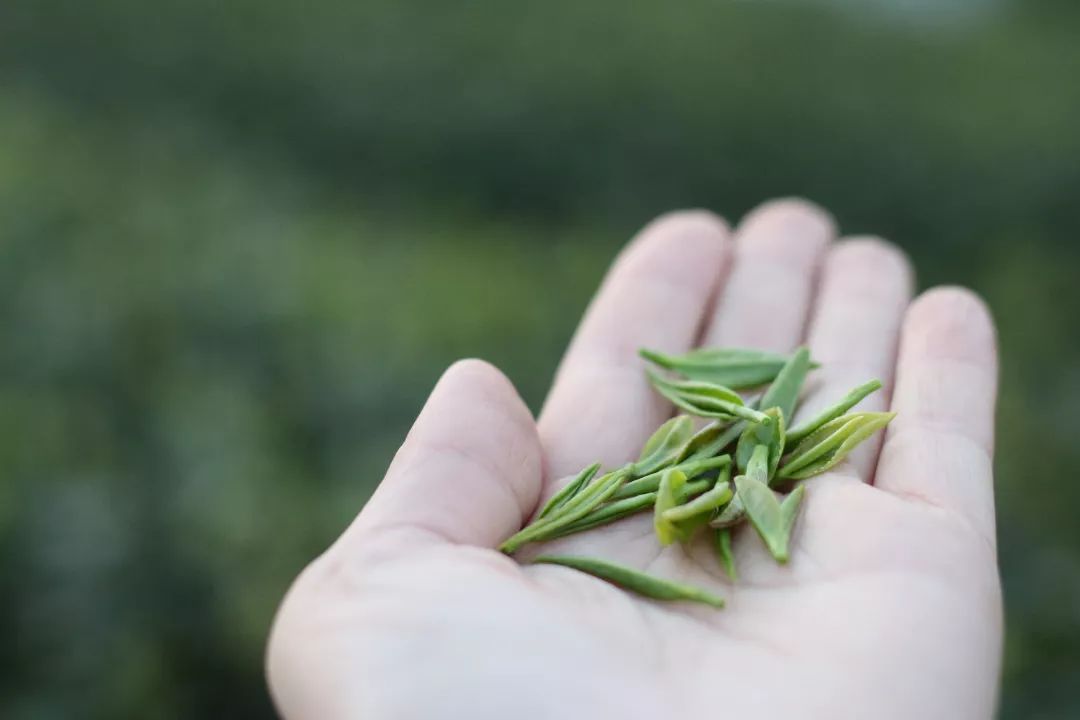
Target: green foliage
{"points": [[238, 241]]}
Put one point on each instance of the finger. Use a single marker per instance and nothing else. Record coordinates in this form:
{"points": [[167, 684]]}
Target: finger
{"points": [[765, 301], [866, 285], [469, 471], [939, 448], [601, 406]]}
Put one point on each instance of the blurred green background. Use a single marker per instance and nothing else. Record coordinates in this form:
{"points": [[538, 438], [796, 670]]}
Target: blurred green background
{"points": [[239, 242]]}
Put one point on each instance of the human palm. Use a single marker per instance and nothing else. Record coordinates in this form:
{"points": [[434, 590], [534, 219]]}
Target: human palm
{"points": [[889, 606]]}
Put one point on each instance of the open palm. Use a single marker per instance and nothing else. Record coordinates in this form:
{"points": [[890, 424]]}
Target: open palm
{"points": [[889, 607]]}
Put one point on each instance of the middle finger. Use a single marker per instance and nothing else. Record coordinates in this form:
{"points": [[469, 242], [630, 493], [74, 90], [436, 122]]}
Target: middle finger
{"points": [[767, 297]]}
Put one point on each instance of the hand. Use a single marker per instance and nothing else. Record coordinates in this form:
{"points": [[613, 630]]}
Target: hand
{"points": [[889, 608]]}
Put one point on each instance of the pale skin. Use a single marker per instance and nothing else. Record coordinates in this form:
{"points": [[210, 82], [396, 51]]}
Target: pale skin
{"points": [[890, 606]]}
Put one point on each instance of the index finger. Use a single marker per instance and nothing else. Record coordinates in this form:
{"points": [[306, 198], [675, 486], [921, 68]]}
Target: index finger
{"points": [[601, 406]]}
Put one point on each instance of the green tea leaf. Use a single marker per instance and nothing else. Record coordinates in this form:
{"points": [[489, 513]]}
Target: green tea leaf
{"points": [[779, 540], [692, 468], [686, 528], [784, 391], [831, 443], [758, 467], [690, 515], [694, 488], [619, 509], [584, 502], [725, 553], [634, 580], [658, 437], [596, 492], [705, 504], [703, 439], [715, 437], [821, 442], [704, 399], [732, 514], [665, 445], [569, 490], [789, 511], [667, 497], [735, 368], [849, 401], [704, 390], [765, 514], [711, 440], [772, 436], [610, 512]]}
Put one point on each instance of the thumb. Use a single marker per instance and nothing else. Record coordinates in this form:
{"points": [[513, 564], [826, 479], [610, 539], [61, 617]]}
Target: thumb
{"points": [[468, 473], [470, 469]]}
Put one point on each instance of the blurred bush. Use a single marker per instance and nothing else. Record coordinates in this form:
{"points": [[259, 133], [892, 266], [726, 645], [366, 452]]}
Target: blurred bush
{"points": [[239, 242]]}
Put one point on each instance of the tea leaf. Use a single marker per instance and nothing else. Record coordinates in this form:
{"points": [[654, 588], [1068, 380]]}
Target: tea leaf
{"points": [[711, 440], [779, 540], [619, 509], [573, 510], [821, 442], [598, 491], [716, 436], [732, 514], [692, 468], [704, 399], [831, 443], [704, 390], [772, 436], [666, 498], [690, 516], [665, 445], [704, 504], [849, 401], [758, 467], [717, 496], [569, 490], [703, 439], [725, 553], [779, 403], [784, 391], [789, 511], [608, 513], [634, 580], [732, 367], [766, 515]]}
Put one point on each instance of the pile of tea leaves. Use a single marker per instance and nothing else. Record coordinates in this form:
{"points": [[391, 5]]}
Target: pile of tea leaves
{"points": [[743, 465]]}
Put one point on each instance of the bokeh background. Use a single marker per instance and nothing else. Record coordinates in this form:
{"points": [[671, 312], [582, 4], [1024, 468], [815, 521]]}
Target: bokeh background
{"points": [[239, 242]]}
